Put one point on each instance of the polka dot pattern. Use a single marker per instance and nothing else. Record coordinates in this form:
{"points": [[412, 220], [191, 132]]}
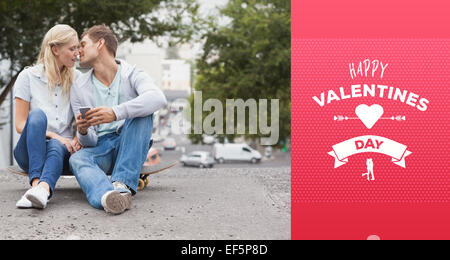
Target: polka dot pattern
{"points": [[420, 66]]}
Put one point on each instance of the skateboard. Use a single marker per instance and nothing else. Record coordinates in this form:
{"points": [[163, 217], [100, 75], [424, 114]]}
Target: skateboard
{"points": [[148, 170], [143, 178]]}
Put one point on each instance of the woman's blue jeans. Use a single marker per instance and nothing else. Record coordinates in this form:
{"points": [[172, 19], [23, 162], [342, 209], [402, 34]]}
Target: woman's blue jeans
{"points": [[41, 158]]}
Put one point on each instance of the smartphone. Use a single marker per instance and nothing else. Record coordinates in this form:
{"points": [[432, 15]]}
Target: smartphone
{"points": [[83, 111]]}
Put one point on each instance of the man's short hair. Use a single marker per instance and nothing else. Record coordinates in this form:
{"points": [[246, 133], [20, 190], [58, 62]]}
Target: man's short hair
{"points": [[98, 32]]}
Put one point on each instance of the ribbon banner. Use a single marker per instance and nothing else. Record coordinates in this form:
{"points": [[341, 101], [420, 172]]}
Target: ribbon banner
{"points": [[369, 144]]}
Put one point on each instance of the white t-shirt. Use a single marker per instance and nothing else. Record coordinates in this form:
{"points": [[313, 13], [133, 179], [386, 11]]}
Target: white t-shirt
{"points": [[31, 86]]}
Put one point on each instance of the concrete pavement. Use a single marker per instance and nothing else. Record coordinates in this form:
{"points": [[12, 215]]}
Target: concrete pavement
{"points": [[180, 203]]}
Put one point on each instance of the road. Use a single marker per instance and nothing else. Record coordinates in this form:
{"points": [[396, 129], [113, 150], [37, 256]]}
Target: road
{"points": [[179, 203], [279, 159]]}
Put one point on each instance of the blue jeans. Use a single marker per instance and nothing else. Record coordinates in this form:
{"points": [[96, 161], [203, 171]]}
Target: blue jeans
{"points": [[122, 153], [41, 158]]}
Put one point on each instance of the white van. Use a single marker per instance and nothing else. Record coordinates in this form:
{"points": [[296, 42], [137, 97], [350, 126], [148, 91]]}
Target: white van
{"points": [[235, 152]]}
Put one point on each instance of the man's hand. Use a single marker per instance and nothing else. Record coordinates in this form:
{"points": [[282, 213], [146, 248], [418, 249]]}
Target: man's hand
{"points": [[100, 115], [82, 125]]}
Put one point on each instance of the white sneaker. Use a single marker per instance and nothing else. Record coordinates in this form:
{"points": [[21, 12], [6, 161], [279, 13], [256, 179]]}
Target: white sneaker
{"points": [[24, 203], [128, 197], [116, 203], [124, 191], [121, 187], [38, 196]]}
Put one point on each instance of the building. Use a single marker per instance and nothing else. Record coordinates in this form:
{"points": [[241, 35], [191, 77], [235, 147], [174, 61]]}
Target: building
{"points": [[145, 55], [172, 76], [176, 78]]}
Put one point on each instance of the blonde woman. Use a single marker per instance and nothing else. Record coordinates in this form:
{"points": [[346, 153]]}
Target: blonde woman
{"points": [[44, 117]]}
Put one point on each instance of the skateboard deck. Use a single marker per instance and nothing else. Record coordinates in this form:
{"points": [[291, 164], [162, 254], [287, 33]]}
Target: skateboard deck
{"points": [[148, 170], [143, 179]]}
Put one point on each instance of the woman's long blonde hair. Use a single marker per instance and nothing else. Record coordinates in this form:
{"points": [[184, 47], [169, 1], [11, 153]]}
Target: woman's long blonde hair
{"points": [[58, 35]]}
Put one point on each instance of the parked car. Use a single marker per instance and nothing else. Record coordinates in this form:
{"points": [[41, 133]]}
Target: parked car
{"points": [[200, 159], [152, 157], [235, 152], [179, 104], [157, 137], [163, 112], [169, 144]]}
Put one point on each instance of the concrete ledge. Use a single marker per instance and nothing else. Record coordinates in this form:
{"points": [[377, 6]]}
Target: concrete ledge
{"points": [[183, 203]]}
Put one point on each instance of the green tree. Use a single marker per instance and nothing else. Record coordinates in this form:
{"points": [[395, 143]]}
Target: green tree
{"points": [[24, 23], [248, 57]]}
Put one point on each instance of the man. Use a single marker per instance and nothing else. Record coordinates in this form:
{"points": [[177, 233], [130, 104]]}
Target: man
{"points": [[116, 131]]}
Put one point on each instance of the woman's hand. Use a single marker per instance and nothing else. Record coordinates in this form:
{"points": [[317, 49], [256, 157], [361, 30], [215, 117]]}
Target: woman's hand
{"points": [[76, 144], [67, 143]]}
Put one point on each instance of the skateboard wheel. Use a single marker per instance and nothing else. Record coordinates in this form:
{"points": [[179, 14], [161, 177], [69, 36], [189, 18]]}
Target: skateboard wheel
{"points": [[146, 181], [141, 184]]}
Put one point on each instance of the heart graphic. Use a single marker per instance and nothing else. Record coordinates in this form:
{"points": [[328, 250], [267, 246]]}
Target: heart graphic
{"points": [[369, 115]]}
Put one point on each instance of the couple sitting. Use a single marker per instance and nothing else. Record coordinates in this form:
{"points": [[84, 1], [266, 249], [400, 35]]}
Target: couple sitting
{"points": [[113, 136]]}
